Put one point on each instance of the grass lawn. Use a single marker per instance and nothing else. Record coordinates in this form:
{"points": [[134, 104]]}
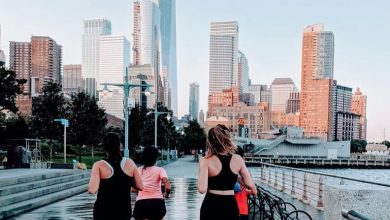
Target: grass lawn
{"points": [[84, 159]]}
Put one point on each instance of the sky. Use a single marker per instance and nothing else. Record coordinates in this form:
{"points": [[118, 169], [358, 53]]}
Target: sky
{"points": [[270, 35]]}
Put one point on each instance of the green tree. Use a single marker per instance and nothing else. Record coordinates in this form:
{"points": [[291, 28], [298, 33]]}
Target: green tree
{"points": [[358, 146], [10, 87], [45, 108], [87, 121], [387, 143], [137, 119], [194, 137], [164, 129], [14, 128]]}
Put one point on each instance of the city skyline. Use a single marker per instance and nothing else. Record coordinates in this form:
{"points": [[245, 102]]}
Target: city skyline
{"points": [[360, 56]]}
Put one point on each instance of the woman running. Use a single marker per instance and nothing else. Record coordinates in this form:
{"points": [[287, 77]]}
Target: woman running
{"points": [[218, 172], [150, 203], [112, 179]]}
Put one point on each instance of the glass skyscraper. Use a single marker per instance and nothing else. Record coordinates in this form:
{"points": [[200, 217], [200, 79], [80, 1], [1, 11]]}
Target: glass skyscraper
{"points": [[93, 29], [194, 100]]}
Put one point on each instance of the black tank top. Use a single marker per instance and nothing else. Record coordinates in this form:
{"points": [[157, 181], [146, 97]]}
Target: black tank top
{"points": [[226, 179], [113, 197]]}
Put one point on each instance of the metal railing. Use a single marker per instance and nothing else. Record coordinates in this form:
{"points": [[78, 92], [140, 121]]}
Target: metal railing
{"points": [[266, 205], [305, 185]]}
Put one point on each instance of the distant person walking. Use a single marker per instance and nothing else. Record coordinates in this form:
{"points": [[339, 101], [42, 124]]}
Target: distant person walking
{"points": [[218, 172], [112, 179], [150, 203]]}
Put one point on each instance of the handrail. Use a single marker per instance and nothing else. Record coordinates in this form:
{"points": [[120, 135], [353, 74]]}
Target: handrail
{"points": [[353, 215], [328, 175]]}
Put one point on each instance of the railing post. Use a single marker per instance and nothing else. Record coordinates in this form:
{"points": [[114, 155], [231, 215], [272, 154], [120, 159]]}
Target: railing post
{"points": [[320, 202], [283, 182], [293, 183], [304, 193], [276, 180], [269, 177], [262, 173]]}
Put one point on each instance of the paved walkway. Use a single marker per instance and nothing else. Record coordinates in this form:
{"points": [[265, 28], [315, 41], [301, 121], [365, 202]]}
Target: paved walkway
{"points": [[184, 203]]}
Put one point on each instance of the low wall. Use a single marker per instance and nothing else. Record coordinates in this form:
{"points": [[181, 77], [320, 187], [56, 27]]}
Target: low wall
{"points": [[370, 201]]}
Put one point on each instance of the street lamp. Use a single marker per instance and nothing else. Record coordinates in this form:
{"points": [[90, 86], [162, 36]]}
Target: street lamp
{"points": [[126, 88]]}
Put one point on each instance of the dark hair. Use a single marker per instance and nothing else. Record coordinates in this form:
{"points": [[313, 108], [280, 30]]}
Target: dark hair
{"points": [[219, 140], [149, 156], [111, 145], [240, 151]]}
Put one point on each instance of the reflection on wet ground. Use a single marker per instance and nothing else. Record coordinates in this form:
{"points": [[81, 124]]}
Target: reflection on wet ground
{"points": [[184, 203]]}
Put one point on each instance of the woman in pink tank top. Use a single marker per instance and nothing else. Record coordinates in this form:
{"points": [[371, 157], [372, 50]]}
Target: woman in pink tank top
{"points": [[150, 203]]}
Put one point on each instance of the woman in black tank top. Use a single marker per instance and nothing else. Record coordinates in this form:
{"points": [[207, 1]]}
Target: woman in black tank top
{"points": [[113, 191], [219, 202]]}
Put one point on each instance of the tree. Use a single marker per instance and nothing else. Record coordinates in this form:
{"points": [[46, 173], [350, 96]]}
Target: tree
{"points": [[14, 128], [387, 143], [45, 108], [87, 120], [194, 137], [10, 86], [137, 119], [164, 129], [358, 146]]}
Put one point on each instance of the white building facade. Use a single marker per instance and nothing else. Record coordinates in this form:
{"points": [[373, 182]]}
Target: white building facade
{"points": [[281, 88], [223, 60], [194, 100], [114, 59], [93, 29]]}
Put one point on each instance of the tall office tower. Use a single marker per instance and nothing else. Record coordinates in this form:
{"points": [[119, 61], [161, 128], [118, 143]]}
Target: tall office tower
{"points": [[168, 50], [114, 58], [281, 88], [201, 118], [20, 63], [2, 55], [154, 43], [243, 73], [93, 29], [316, 81], [223, 61], [293, 103], [194, 100], [345, 124], [46, 62], [72, 82], [261, 93], [359, 107]]}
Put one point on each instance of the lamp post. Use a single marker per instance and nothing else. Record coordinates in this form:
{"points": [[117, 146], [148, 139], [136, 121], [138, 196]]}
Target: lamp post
{"points": [[126, 88]]}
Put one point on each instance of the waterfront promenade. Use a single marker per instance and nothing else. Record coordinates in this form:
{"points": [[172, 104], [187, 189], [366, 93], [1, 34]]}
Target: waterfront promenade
{"points": [[184, 203]]}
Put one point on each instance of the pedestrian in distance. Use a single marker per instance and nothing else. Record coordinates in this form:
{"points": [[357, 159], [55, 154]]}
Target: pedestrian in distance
{"points": [[218, 172], [112, 179], [150, 202]]}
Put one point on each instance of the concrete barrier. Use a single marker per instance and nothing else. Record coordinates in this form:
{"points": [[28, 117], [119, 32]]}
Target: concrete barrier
{"points": [[370, 201]]}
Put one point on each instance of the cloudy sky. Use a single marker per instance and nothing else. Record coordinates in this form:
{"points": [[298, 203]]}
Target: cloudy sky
{"points": [[270, 36]]}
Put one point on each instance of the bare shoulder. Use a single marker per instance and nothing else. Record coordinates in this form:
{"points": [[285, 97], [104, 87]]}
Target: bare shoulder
{"points": [[237, 158]]}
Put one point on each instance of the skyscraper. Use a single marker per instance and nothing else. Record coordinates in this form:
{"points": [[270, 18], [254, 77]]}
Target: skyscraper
{"points": [[72, 80], [93, 29], [243, 73], [359, 107], [281, 88], [20, 62], [114, 58], [2, 56], [194, 100], [46, 62], [316, 81], [154, 43], [223, 61], [142, 74]]}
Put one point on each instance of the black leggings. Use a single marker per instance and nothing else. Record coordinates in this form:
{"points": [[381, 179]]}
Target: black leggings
{"points": [[152, 209], [218, 207]]}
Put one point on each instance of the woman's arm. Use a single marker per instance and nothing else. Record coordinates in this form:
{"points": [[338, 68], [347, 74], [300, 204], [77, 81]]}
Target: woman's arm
{"points": [[167, 186], [138, 184], [203, 176], [247, 178], [94, 181]]}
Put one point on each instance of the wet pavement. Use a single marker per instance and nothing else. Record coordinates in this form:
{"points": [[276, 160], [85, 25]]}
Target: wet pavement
{"points": [[184, 203]]}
